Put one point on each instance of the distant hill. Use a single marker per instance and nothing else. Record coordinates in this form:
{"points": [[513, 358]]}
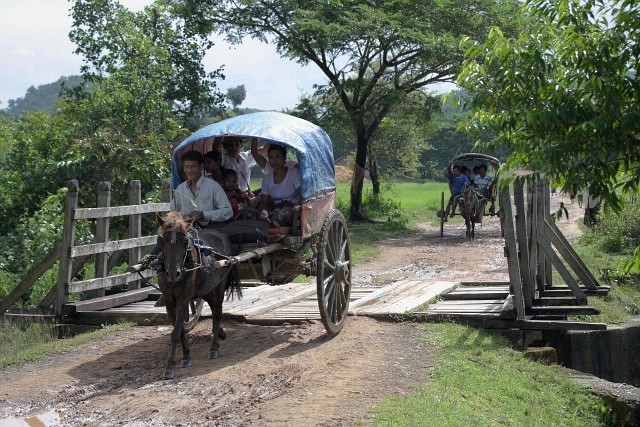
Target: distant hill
{"points": [[44, 97]]}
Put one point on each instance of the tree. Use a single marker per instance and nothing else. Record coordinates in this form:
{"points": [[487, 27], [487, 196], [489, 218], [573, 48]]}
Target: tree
{"points": [[156, 55], [373, 53], [236, 96], [564, 95]]}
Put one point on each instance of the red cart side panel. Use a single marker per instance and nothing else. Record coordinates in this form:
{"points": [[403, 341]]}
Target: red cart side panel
{"points": [[314, 212]]}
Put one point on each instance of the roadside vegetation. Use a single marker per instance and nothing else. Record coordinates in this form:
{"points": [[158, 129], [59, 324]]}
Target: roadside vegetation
{"points": [[478, 379]]}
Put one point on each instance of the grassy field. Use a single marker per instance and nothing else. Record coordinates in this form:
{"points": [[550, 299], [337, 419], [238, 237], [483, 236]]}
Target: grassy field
{"points": [[479, 380]]}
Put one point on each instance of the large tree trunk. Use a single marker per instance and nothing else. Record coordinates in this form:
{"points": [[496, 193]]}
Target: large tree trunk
{"points": [[356, 211]]}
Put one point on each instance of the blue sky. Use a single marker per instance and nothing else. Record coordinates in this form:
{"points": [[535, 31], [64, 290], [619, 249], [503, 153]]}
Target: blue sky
{"points": [[35, 50]]}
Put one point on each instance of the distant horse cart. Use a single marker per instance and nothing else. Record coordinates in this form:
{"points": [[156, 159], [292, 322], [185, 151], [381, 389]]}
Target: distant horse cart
{"points": [[317, 244], [478, 197]]}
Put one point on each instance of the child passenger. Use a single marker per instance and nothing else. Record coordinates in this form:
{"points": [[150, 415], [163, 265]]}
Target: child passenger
{"points": [[238, 198]]}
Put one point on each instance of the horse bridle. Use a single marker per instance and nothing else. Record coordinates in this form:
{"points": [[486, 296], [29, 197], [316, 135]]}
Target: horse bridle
{"points": [[188, 243]]}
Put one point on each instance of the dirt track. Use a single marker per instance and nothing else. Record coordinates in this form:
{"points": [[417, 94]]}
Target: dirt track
{"points": [[289, 375]]}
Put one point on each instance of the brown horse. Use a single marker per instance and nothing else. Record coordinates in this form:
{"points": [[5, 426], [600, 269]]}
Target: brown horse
{"points": [[472, 205], [186, 274]]}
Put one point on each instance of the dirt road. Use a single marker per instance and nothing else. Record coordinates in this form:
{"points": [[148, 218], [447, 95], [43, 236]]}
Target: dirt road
{"points": [[289, 375]]}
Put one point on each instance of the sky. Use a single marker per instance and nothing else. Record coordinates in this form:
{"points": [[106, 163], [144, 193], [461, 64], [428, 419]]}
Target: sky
{"points": [[35, 50]]}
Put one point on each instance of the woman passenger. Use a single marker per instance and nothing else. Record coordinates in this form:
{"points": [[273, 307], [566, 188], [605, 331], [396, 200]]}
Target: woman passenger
{"points": [[280, 189]]}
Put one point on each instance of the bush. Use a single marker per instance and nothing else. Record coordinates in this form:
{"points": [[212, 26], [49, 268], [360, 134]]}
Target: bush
{"points": [[617, 232]]}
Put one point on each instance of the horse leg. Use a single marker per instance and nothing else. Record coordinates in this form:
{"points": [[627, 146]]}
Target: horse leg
{"points": [[186, 352], [170, 372], [214, 299]]}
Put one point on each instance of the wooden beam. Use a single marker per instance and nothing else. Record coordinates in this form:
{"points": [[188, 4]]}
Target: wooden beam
{"points": [[570, 255], [512, 252], [94, 213], [27, 282], [105, 302], [68, 238], [106, 282], [566, 310], [528, 289], [558, 264], [116, 245], [546, 301]]}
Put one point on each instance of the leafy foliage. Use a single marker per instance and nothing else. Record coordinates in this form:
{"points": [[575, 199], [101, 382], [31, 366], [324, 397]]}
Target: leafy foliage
{"points": [[373, 53], [564, 94]]}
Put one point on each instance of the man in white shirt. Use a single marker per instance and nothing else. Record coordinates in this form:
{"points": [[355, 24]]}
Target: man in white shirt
{"points": [[198, 196]]}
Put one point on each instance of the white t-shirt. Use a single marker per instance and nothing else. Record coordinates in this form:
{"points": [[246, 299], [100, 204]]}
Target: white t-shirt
{"points": [[286, 190], [242, 166]]}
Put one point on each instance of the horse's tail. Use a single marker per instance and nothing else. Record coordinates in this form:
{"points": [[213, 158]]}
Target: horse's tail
{"points": [[232, 285]]}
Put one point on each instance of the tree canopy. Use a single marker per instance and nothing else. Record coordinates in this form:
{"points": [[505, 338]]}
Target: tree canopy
{"points": [[564, 95], [373, 53]]}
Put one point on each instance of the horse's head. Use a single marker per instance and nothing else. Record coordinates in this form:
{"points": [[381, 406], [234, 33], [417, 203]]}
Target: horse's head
{"points": [[469, 201], [174, 233]]}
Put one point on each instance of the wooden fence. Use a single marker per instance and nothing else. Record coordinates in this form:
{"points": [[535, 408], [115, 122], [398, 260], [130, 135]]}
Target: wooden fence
{"points": [[107, 254]]}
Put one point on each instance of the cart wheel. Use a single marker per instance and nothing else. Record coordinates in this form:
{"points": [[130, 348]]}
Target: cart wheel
{"points": [[195, 308], [334, 272]]}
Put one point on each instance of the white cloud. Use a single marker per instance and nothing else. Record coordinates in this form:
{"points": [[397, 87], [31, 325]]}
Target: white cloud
{"points": [[35, 50]]}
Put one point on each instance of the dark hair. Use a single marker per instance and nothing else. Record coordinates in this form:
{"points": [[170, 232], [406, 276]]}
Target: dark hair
{"points": [[228, 172], [483, 166], [193, 156], [280, 148], [228, 139], [213, 155], [456, 167]]}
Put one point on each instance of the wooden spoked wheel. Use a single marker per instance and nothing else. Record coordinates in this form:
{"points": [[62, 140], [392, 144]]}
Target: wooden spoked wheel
{"points": [[334, 272], [195, 308]]}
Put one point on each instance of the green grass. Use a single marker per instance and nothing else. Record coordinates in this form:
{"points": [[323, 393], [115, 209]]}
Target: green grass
{"points": [[24, 343], [479, 380]]}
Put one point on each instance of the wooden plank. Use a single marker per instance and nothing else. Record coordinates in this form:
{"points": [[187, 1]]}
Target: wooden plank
{"points": [[27, 282], [512, 252], [93, 213], [568, 310], [545, 245], [110, 301], [528, 289], [474, 295], [401, 297], [116, 245], [265, 298], [106, 282], [572, 258], [546, 301], [568, 292], [68, 237]]}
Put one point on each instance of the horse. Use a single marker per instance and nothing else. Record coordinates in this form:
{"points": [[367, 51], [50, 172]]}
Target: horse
{"points": [[186, 273], [472, 209]]}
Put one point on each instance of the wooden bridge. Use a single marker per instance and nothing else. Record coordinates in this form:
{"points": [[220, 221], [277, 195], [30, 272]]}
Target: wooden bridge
{"points": [[534, 247]]}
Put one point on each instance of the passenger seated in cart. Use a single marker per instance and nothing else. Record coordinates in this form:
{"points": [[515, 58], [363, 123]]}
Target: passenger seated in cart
{"points": [[457, 181], [280, 189], [212, 168], [483, 182], [240, 200], [198, 198]]}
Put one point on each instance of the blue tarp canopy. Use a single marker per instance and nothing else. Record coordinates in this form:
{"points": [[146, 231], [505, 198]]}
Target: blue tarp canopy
{"points": [[313, 147]]}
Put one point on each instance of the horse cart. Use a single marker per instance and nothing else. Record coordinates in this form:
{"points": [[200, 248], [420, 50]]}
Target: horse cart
{"points": [[317, 244], [475, 202]]}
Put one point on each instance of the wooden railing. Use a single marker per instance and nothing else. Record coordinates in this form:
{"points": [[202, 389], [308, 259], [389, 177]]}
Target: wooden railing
{"points": [[106, 253]]}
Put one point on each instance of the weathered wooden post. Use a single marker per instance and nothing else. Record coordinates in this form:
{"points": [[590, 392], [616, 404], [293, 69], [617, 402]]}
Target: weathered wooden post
{"points": [[547, 218], [523, 244], [511, 252], [68, 240], [135, 227], [102, 233]]}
